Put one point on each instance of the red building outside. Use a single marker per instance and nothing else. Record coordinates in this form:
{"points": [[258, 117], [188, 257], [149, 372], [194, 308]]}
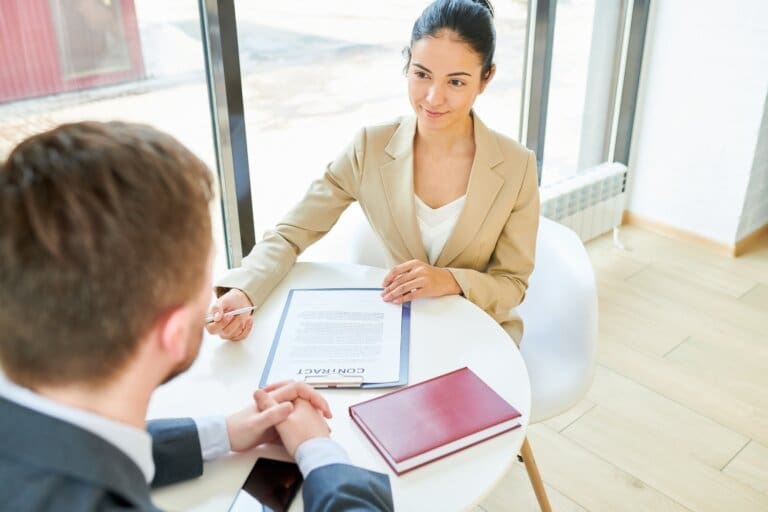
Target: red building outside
{"points": [[53, 46]]}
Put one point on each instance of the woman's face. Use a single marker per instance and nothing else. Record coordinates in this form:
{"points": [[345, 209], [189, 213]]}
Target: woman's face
{"points": [[444, 78]]}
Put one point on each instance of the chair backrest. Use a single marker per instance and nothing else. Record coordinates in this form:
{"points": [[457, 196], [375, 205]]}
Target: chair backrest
{"points": [[560, 318]]}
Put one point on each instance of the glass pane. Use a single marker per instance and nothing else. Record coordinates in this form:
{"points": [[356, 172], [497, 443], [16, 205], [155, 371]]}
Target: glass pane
{"points": [[499, 105], [315, 72], [74, 60], [584, 60], [91, 38]]}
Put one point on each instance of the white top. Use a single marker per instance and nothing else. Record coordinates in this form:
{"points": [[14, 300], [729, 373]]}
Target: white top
{"points": [[436, 224]]}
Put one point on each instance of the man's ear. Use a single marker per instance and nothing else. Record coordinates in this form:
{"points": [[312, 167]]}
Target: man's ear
{"points": [[172, 333], [487, 78]]}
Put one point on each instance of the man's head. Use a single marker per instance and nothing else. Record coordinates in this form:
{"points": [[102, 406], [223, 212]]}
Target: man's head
{"points": [[105, 233]]}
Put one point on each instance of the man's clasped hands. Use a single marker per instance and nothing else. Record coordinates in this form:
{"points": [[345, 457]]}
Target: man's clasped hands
{"points": [[287, 412]]}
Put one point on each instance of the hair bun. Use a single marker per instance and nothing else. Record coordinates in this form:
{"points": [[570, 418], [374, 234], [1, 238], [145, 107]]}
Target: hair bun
{"points": [[487, 4]]}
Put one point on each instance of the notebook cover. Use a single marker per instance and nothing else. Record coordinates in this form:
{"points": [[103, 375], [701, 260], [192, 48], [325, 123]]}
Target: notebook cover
{"points": [[430, 414]]}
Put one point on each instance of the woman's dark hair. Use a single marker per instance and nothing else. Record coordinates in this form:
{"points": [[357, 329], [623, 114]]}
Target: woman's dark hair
{"points": [[471, 20]]}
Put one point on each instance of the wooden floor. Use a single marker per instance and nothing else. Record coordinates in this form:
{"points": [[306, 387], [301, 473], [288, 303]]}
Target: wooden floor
{"points": [[677, 416]]}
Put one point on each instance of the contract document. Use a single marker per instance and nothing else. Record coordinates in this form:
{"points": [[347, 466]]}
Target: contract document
{"points": [[340, 337]]}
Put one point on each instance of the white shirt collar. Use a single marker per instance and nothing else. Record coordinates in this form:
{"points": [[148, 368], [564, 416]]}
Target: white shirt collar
{"points": [[135, 443]]}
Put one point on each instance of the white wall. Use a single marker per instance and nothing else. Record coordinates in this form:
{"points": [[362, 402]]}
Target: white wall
{"points": [[700, 106]]}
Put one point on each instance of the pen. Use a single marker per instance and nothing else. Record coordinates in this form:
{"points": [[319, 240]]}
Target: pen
{"points": [[209, 318]]}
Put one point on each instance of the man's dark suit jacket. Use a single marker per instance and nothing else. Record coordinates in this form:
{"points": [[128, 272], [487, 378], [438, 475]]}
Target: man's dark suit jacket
{"points": [[47, 464]]}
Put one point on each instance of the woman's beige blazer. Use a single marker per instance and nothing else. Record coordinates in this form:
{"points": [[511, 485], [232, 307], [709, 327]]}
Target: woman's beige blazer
{"points": [[490, 252]]}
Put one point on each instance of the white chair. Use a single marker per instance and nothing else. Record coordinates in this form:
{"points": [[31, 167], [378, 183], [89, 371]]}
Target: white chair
{"points": [[560, 331], [560, 318], [559, 315]]}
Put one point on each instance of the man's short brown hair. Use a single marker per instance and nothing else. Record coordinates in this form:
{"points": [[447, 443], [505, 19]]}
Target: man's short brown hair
{"points": [[103, 228]]}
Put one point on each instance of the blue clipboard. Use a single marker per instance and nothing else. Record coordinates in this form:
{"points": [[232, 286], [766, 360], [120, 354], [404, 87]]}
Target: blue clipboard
{"points": [[345, 381]]}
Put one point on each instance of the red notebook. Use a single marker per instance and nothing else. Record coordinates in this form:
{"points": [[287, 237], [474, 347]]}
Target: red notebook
{"points": [[426, 421]]}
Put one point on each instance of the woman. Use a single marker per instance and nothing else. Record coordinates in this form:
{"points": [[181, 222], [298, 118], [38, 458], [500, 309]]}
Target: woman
{"points": [[454, 202]]}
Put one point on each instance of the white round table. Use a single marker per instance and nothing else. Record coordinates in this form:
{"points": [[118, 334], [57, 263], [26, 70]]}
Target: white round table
{"points": [[446, 333]]}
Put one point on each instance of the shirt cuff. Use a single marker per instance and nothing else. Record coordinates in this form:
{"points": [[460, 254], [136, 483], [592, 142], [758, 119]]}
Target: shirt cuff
{"points": [[317, 452], [214, 439]]}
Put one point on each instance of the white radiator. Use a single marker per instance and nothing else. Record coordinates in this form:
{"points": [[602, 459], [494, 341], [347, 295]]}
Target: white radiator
{"points": [[591, 202]]}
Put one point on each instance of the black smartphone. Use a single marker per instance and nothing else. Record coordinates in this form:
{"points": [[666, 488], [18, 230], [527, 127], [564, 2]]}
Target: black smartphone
{"points": [[270, 487]]}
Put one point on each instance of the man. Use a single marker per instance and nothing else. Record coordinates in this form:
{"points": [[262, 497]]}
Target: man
{"points": [[105, 278]]}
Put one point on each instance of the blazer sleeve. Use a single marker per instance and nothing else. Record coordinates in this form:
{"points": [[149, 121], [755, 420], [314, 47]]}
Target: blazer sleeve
{"points": [[501, 287], [324, 202], [343, 487], [176, 450]]}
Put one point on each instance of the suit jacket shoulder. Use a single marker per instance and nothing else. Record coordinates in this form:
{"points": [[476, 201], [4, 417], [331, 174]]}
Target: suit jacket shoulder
{"points": [[377, 136], [513, 157], [509, 145], [48, 465], [371, 142]]}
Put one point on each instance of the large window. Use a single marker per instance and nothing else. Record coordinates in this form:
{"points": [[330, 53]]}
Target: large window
{"points": [[308, 74], [585, 60], [315, 72], [103, 60]]}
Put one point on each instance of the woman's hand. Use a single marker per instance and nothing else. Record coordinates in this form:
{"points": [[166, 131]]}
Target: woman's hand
{"points": [[231, 327], [414, 279]]}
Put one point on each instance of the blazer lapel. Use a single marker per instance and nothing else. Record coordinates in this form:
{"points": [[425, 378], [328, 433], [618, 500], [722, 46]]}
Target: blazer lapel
{"points": [[484, 185], [397, 177]]}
